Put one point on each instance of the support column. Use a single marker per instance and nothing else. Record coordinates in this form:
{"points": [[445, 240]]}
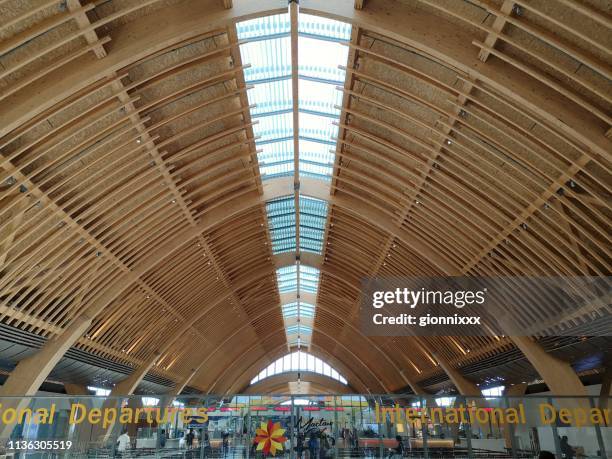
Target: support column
{"points": [[512, 391], [464, 386], [31, 372], [606, 385], [129, 384], [125, 388], [178, 388], [80, 434], [75, 389], [558, 375]]}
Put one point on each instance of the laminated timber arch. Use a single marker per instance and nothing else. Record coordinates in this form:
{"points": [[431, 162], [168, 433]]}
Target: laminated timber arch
{"points": [[241, 382], [383, 173]]}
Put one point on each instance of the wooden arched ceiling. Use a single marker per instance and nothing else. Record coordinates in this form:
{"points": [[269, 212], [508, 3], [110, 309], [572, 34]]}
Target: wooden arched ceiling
{"points": [[474, 139]]}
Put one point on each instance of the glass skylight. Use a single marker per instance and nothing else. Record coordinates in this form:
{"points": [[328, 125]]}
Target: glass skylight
{"points": [[309, 279], [493, 391], [324, 28], [298, 318], [299, 361], [296, 329], [290, 310], [268, 50], [281, 221], [287, 279], [99, 391], [266, 46]]}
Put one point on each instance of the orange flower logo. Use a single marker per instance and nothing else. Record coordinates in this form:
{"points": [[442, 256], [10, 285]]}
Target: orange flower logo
{"points": [[270, 438]]}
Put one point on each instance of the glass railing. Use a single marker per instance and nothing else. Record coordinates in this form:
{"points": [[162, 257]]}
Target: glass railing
{"points": [[305, 426]]}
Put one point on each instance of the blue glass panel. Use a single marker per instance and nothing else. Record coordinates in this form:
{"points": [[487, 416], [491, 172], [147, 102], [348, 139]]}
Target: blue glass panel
{"points": [[274, 127], [287, 279], [302, 329], [269, 25], [276, 159], [291, 310], [267, 58], [309, 279], [281, 223], [323, 27], [271, 97]]}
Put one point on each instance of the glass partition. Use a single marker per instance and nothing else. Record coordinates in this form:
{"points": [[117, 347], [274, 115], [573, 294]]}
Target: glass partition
{"points": [[305, 426]]}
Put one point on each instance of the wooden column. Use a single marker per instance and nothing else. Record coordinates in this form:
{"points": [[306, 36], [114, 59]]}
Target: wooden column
{"points": [[606, 385], [31, 372], [558, 375], [463, 385]]}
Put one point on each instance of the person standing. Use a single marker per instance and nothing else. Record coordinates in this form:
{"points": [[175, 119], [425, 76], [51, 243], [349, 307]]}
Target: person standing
{"points": [[399, 449], [567, 450], [299, 447], [313, 446], [225, 443], [123, 443], [189, 439]]}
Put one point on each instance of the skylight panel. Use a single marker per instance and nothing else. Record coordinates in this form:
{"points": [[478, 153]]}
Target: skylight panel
{"points": [[267, 48], [264, 26], [313, 215], [318, 171], [316, 159], [273, 128], [299, 361], [301, 329], [269, 59], [322, 65], [309, 278], [276, 159], [319, 98], [268, 51], [281, 222], [291, 310], [271, 97], [324, 27], [287, 279], [317, 127]]}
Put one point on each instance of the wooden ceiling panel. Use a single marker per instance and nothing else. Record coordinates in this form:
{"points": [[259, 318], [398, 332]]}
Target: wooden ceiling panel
{"points": [[445, 164]]}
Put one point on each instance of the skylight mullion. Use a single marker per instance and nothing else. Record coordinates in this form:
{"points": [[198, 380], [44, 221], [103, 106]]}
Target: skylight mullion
{"points": [[314, 139], [274, 140], [322, 80], [301, 110]]}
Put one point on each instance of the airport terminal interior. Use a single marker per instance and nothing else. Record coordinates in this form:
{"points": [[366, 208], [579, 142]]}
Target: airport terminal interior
{"points": [[193, 193]]}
